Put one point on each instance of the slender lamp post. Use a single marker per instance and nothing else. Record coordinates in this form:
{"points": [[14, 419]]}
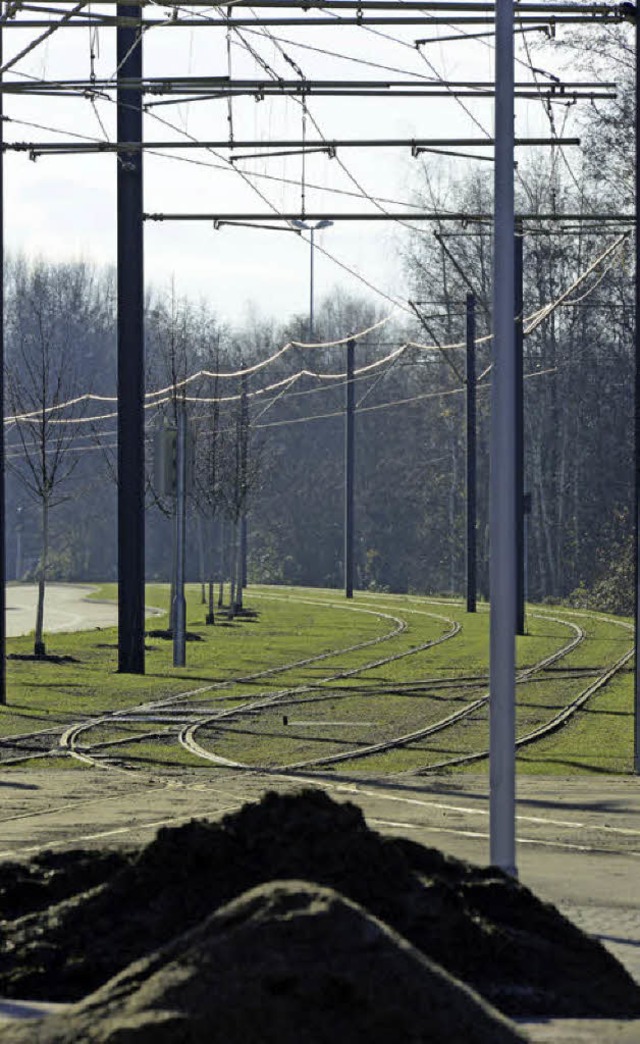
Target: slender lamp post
{"points": [[311, 229]]}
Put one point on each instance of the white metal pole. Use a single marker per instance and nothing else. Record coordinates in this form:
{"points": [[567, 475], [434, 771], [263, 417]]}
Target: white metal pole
{"points": [[636, 670], [503, 464], [179, 616], [311, 287]]}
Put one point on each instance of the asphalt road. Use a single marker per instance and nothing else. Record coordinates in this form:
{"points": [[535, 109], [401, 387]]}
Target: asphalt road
{"points": [[66, 608]]}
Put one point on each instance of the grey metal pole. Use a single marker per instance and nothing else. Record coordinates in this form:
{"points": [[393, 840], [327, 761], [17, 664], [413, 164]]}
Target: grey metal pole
{"points": [[201, 569], [311, 231], [18, 540], [130, 350], [243, 440], [503, 465], [180, 606], [349, 458], [244, 541], [636, 744], [519, 406], [471, 454], [3, 513], [525, 576]]}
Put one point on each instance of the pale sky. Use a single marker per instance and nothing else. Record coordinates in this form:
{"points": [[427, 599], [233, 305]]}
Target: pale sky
{"points": [[59, 207]]}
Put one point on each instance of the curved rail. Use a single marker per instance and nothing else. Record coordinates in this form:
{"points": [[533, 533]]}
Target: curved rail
{"points": [[547, 728], [187, 737], [69, 739], [288, 696]]}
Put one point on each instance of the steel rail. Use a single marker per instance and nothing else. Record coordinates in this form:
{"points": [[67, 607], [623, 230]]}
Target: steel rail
{"points": [[547, 728], [69, 737], [542, 731], [57, 730], [187, 737], [284, 698], [444, 723]]}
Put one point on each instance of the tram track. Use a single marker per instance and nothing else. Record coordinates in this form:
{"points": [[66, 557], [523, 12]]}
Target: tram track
{"points": [[364, 751], [250, 777], [182, 722], [293, 696], [62, 730], [69, 740], [188, 740]]}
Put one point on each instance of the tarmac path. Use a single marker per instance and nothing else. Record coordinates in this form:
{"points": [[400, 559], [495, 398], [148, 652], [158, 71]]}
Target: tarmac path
{"points": [[67, 607]]}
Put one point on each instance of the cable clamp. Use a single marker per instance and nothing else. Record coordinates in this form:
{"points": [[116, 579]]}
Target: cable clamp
{"points": [[629, 12]]}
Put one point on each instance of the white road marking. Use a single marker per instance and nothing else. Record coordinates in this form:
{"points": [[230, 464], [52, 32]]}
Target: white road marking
{"points": [[466, 810]]}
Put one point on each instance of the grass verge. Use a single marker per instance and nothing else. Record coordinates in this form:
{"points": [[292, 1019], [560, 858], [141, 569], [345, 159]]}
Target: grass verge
{"points": [[344, 698]]}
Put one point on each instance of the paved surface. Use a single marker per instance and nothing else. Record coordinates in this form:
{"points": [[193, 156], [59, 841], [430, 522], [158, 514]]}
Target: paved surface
{"points": [[66, 608], [579, 838]]}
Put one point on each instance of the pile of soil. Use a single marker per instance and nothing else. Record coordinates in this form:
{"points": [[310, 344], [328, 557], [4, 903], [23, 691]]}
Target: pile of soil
{"points": [[51, 877], [479, 924], [286, 962]]}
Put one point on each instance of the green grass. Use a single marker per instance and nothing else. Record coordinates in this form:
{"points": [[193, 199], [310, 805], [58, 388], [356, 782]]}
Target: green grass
{"points": [[374, 704]]}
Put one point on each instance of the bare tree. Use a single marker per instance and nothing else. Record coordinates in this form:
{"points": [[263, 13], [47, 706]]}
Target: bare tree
{"points": [[208, 464], [238, 490], [42, 390]]}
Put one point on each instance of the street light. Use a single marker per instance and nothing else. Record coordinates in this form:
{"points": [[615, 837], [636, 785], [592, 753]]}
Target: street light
{"points": [[303, 226]]}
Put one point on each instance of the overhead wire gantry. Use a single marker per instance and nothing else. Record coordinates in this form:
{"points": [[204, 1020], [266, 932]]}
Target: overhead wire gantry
{"points": [[135, 94]]}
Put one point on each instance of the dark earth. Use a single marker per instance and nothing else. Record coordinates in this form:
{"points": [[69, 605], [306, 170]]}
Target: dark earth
{"points": [[286, 963], [72, 922]]}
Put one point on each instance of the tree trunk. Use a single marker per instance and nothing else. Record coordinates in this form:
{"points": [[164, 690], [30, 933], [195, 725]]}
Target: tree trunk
{"points": [[38, 645], [221, 587], [203, 592], [233, 571], [210, 618], [239, 568]]}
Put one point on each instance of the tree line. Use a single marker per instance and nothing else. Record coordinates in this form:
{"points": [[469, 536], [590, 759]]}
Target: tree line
{"points": [[269, 440]]}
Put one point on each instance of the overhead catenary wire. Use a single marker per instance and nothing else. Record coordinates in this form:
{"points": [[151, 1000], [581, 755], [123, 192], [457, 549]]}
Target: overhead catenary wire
{"points": [[224, 167], [358, 185], [422, 396], [167, 393], [163, 395], [363, 193], [40, 39], [442, 393], [328, 253]]}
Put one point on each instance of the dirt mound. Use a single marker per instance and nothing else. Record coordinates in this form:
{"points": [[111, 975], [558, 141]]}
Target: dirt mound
{"points": [[51, 877], [286, 963], [479, 924]]}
